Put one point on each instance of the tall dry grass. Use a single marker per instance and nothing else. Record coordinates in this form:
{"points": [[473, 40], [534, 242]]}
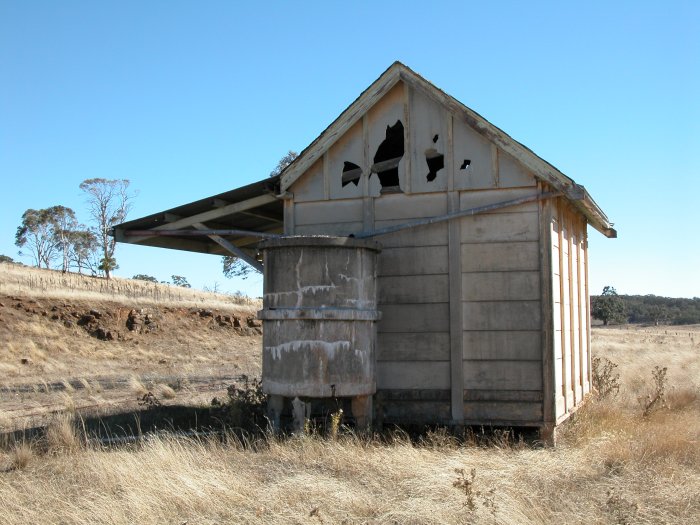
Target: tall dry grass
{"points": [[613, 465], [35, 282], [353, 480]]}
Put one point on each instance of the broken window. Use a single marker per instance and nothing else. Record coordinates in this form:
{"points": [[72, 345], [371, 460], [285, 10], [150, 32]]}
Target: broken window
{"points": [[465, 164], [388, 156], [351, 173], [435, 161]]}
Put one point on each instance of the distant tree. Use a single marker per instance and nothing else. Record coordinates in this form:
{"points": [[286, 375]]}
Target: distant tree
{"points": [[6, 259], [107, 265], [36, 235], [64, 225], [109, 202], [608, 306], [84, 253], [235, 267], [284, 162], [215, 288], [144, 277], [179, 280], [657, 314]]}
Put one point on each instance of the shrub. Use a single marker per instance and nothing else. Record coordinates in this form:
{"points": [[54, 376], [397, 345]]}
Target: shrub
{"points": [[245, 407], [606, 380], [657, 398]]}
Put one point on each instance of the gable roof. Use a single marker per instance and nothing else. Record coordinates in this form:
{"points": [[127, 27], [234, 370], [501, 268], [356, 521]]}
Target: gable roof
{"points": [[542, 169]]}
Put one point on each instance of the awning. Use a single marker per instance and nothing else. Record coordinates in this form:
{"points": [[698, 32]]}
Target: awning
{"points": [[226, 224]]}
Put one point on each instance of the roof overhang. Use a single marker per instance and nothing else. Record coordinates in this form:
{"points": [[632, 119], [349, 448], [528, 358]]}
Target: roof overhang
{"points": [[224, 224]]}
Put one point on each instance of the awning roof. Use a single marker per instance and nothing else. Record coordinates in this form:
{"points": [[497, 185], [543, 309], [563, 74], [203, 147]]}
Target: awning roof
{"points": [[254, 207]]}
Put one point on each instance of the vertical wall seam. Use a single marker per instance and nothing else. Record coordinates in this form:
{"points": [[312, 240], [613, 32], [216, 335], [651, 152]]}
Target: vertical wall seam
{"points": [[326, 176], [562, 316], [549, 391], [408, 174], [572, 338], [367, 200], [455, 280]]}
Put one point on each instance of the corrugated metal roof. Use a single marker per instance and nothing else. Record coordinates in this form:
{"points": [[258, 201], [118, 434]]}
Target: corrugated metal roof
{"points": [[254, 207]]}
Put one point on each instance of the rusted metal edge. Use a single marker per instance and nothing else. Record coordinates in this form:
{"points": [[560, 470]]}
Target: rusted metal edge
{"points": [[457, 214]]}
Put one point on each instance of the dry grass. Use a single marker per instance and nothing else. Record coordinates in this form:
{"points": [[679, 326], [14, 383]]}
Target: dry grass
{"points": [[355, 480], [165, 392], [612, 466], [34, 282], [62, 435], [137, 387], [20, 455]]}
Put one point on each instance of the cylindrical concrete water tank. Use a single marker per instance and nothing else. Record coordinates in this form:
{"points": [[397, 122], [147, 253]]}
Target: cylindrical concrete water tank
{"points": [[319, 316]]}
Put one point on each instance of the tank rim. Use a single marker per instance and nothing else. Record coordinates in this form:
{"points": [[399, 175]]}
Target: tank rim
{"points": [[320, 241]]}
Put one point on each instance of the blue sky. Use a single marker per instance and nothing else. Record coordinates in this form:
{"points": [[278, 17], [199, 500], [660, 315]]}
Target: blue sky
{"points": [[187, 99]]}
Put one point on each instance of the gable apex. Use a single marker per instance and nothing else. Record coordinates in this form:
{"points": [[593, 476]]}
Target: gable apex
{"points": [[399, 72]]}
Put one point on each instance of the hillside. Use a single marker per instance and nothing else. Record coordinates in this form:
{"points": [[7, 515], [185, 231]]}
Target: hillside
{"points": [[77, 342]]}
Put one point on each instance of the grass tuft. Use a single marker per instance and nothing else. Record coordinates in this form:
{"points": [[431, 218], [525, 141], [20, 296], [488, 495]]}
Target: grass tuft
{"points": [[21, 455], [62, 435]]}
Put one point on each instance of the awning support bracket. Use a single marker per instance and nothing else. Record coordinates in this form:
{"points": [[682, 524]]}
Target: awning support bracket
{"points": [[233, 249]]}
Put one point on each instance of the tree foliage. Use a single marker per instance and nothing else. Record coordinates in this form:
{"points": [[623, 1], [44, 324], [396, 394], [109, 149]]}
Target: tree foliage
{"points": [[84, 252], [654, 309], [54, 233], [39, 235], [179, 280], [7, 259], [144, 277], [608, 307], [235, 267], [648, 309], [285, 161], [109, 202], [65, 224]]}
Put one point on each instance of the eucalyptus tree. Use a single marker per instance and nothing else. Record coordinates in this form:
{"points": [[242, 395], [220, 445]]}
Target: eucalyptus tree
{"points": [[109, 201], [36, 237]]}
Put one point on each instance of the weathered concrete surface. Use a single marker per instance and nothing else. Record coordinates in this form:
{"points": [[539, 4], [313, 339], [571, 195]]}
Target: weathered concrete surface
{"points": [[319, 314]]}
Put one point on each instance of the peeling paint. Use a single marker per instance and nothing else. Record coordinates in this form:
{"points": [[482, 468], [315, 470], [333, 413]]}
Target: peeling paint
{"points": [[306, 346], [347, 278], [315, 288]]}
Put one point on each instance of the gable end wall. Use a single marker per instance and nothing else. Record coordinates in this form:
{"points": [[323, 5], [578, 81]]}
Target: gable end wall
{"points": [[462, 304]]}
